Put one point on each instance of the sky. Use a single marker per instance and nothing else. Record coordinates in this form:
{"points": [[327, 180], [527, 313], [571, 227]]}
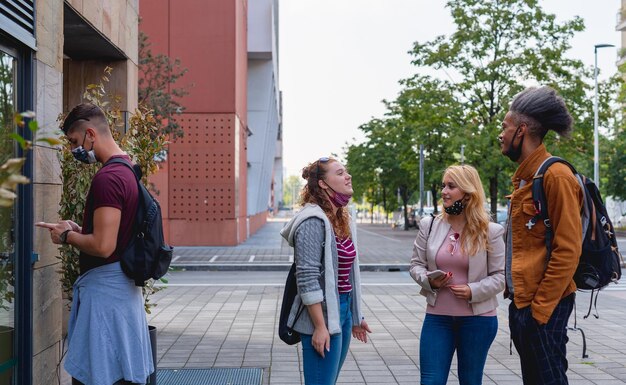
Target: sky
{"points": [[338, 59]]}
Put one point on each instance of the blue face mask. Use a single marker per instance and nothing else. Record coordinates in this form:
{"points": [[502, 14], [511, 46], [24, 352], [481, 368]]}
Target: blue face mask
{"points": [[82, 155]]}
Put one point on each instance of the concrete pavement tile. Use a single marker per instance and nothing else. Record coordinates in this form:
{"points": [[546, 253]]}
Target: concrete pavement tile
{"points": [[256, 364], [404, 370], [397, 360], [498, 378], [239, 337], [509, 382], [171, 364], [407, 380], [350, 377], [372, 379]]}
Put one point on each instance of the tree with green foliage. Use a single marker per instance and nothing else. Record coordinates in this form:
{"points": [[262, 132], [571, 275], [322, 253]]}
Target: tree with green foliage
{"points": [[616, 170], [497, 45], [158, 77], [291, 190], [390, 151], [366, 178], [614, 151], [433, 117]]}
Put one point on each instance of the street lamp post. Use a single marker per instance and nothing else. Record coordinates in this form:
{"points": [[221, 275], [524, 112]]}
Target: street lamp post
{"points": [[596, 151], [462, 154]]}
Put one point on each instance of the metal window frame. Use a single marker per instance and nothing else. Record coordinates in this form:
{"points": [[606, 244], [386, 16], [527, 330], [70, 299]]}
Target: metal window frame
{"points": [[23, 268]]}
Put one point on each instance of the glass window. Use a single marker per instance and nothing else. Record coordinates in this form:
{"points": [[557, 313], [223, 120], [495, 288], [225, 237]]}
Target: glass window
{"points": [[8, 65]]}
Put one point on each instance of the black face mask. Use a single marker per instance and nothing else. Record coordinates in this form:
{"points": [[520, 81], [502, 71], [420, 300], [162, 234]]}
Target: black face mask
{"points": [[456, 208], [514, 153]]}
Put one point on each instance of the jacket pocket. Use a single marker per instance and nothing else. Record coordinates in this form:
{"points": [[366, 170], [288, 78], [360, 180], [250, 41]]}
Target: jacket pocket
{"points": [[538, 230]]}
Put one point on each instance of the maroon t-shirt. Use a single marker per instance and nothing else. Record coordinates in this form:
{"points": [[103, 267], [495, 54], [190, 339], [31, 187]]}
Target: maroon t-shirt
{"points": [[114, 185]]}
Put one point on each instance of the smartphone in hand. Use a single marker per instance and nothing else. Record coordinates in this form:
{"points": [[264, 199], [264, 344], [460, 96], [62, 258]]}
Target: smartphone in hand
{"points": [[436, 274]]}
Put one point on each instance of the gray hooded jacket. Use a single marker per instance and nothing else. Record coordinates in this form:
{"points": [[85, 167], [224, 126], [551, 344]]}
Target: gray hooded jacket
{"points": [[311, 235]]}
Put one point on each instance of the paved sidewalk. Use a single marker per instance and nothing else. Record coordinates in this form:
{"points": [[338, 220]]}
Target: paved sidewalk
{"points": [[235, 326], [223, 325], [380, 247]]}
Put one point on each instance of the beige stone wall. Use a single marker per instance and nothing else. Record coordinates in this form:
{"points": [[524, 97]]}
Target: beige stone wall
{"points": [[116, 19], [59, 86], [79, 74], [47, 301]]}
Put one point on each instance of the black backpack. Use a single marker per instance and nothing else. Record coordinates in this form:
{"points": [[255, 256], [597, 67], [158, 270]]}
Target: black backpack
{"points": [[285, 332], [599, 262], [146, 256]]}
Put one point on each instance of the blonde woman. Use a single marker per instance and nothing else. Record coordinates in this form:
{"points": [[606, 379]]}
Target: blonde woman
{"points": [[458, 260]]}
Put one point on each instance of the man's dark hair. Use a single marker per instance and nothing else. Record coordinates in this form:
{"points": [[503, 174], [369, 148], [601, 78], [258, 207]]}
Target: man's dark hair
{"points": [[85, 112], [542, 109]]}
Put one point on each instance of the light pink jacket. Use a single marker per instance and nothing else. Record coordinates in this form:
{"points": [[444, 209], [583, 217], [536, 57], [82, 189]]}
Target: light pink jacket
{"points": [[486, 269]]}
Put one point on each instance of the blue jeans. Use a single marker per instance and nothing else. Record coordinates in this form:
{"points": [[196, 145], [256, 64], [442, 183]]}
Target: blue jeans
{"points": [[470, 336], [325, 371]]}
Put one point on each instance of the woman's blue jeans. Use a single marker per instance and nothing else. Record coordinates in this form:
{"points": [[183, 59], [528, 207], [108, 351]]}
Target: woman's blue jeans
{"points": [[470, 336], [325, 371]]}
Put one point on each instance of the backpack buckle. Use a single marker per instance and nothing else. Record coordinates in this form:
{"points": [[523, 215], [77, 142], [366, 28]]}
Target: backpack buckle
{"points": [[547, 222]]}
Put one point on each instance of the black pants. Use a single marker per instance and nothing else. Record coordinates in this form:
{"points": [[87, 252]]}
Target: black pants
{"points": [[542, 347], [120, 382]]}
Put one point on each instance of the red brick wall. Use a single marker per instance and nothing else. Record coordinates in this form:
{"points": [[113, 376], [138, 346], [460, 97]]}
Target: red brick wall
{"points": [[206, 173]]}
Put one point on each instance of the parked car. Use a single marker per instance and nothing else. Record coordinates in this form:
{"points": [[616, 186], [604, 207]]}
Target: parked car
{"points": [[621, 221], [414, 219], [501, 217], [417, 215]]}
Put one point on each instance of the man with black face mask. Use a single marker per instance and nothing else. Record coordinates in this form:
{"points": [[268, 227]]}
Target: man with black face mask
{"points": [[108, 341], [542, 291]]}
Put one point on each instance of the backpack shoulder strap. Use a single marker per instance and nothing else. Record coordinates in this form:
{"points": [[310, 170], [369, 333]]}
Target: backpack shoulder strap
{"points": [[430, 228], [134, 169], [89, 203], [139, 260], [541, 203]]}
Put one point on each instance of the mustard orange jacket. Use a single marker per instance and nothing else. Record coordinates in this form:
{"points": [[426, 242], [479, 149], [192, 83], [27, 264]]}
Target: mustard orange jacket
{"points": [[534, 283]]}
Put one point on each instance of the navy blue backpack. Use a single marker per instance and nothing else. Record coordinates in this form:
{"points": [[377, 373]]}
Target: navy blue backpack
{"points": [[600, 259]]}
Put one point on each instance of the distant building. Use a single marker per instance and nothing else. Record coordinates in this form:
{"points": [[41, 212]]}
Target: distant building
{"points": [[222, 177], [621, 27]]}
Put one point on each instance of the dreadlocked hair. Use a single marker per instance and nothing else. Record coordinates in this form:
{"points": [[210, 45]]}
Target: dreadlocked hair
{"points": [[313, 193]]}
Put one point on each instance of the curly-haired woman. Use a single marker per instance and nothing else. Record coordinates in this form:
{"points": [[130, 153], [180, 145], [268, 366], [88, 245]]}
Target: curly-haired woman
{"points": [[327, 272]]}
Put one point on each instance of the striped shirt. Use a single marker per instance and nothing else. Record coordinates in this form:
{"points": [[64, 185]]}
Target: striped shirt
{"points": [[346, 253]]}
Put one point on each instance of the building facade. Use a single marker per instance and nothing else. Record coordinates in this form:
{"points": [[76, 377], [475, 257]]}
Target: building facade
{"points": [[49, 51], [215, 187], [265, 165], [621, 28]]}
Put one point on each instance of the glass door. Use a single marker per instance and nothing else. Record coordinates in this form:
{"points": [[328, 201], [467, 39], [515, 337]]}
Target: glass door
{"points": [[8, 76]]}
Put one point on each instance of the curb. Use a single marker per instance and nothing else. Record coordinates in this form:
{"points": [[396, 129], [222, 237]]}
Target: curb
{"points": [[276, 267]]}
